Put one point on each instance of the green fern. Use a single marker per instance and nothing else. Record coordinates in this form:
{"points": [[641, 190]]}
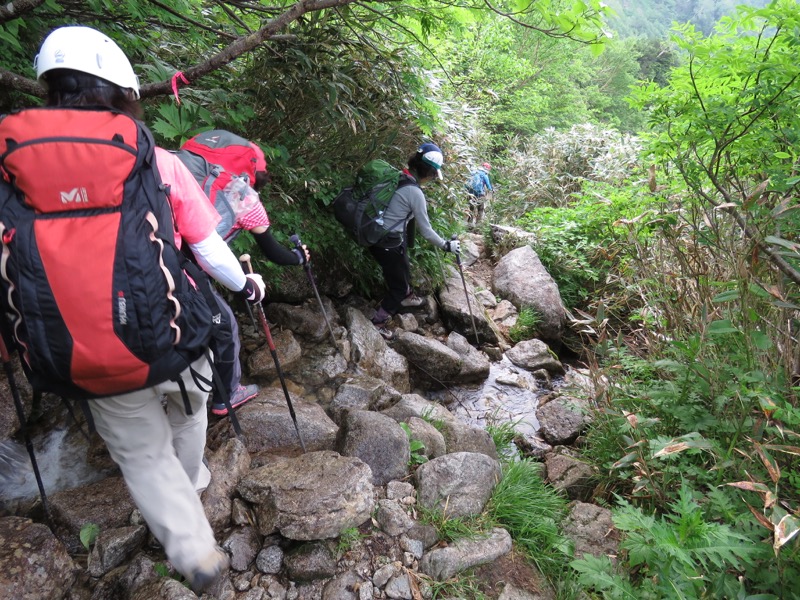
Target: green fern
{"points": [[677, 555]]}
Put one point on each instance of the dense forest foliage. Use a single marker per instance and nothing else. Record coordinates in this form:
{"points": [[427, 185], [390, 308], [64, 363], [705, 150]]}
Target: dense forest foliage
{"points": [[658, 170]]}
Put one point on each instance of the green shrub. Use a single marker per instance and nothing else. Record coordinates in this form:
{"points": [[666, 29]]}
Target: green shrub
{"points": [[527, 323]]}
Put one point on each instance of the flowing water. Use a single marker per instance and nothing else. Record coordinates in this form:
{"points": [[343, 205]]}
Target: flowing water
{"points": [[61, 456], [508, 395]]}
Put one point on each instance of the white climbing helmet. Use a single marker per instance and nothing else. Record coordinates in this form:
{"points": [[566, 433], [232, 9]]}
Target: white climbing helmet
{"points": [[89, 51]]}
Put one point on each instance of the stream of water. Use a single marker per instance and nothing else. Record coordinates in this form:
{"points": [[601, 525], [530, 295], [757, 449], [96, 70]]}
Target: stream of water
{"points": [[61, 458], [508, 395]]}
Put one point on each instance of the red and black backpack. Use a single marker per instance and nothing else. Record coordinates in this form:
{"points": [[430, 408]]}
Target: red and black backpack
{"points": [[91, 283], [218, 158]]}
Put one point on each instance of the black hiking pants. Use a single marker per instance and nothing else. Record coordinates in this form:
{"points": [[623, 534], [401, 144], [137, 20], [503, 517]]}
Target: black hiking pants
{"points": [[396, 273]]}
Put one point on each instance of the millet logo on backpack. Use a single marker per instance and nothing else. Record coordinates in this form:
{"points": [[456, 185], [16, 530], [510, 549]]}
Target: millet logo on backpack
{"points": [[77, 194], [122, 308]]}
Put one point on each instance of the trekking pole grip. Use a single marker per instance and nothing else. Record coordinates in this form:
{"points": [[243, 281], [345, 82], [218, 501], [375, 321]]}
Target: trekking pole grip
{"points": [[247, 266], [458, 254], [295, 239]]}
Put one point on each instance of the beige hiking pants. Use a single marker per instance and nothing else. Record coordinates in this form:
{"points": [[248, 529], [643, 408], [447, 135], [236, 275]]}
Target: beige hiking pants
{"points": [[160, 454]]}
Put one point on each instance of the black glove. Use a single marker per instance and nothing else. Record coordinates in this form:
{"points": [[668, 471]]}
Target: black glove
{"points": [[254, 289]]}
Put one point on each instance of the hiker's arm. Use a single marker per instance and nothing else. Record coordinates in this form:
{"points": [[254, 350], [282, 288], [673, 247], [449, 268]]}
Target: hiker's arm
{"points": [[216, 259], [274, 251], [420, 210]]}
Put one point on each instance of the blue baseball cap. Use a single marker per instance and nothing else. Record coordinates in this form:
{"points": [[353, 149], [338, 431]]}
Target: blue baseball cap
{"points": [[432, 155]]}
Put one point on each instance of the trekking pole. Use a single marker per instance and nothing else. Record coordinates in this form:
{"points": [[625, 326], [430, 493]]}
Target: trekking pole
{"points": [[466, 294], [295, 239], [248, 268], [12, 384]]}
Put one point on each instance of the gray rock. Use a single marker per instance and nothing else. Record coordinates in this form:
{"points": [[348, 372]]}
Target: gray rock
{"points": [[431, 361], [459, 310], [462, 482], [34, 565], [521, 278], [268, 425], [378, 441], [106, 503], [382, 575], [119, 582], [459, 437], [227, 466], [270, 560], [397, 490], [563, 419], [443, 563], [314, 496], [162, 588], [474, 363], [261, 365], [414, 405], [431, 437], [512, 236], [533, 355], [309, 562], [398, 587], [592, 530], [362, 392], [571, 475], [342, 587], [486, 298], [305, 321], [372, 355], [408, 322], [392, 517], [243, 545], [113, 547]]}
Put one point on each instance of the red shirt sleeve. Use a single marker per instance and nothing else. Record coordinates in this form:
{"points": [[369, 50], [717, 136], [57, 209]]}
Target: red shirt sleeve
{"points": [[195, 216]]}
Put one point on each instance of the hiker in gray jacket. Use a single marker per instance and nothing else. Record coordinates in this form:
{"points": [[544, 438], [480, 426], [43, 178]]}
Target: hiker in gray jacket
{"points": [[408, 203]]}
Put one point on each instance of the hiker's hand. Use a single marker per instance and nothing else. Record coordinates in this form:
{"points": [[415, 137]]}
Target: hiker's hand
{"points": [[303, 255], [452, 246], [254, 289]]}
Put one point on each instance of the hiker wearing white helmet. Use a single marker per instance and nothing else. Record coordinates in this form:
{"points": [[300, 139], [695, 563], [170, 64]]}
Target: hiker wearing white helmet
{"points": [[407, 206], [160, 453]]}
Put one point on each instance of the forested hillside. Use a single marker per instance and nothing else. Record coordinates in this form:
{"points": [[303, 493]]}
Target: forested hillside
{"points": [[654, 18], [658, 176]]}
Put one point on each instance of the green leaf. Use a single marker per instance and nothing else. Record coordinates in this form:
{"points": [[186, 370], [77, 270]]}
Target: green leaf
{"points": [[721, 326], [782, 154], [88, 534], [761, 340], [726, 296]]}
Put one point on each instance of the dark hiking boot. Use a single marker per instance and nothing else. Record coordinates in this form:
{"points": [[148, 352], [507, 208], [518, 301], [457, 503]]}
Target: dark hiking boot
{"points": [[239, 396]]}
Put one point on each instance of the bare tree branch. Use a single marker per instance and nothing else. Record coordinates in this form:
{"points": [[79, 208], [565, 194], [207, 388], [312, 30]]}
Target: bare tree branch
{"points": [[244, 44], [13, 10], [13, 81]]}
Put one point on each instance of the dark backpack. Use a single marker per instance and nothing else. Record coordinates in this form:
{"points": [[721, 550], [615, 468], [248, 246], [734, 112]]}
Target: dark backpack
{"points": [[360, 207], [90, 280], [217, 183]]}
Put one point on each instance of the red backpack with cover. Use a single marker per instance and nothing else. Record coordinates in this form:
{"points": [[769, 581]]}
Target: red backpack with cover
{"points": [[233, 153], [90, 279]]}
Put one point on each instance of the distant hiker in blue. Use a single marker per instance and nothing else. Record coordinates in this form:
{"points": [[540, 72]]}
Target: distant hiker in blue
{"points": [[478, 187]]}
